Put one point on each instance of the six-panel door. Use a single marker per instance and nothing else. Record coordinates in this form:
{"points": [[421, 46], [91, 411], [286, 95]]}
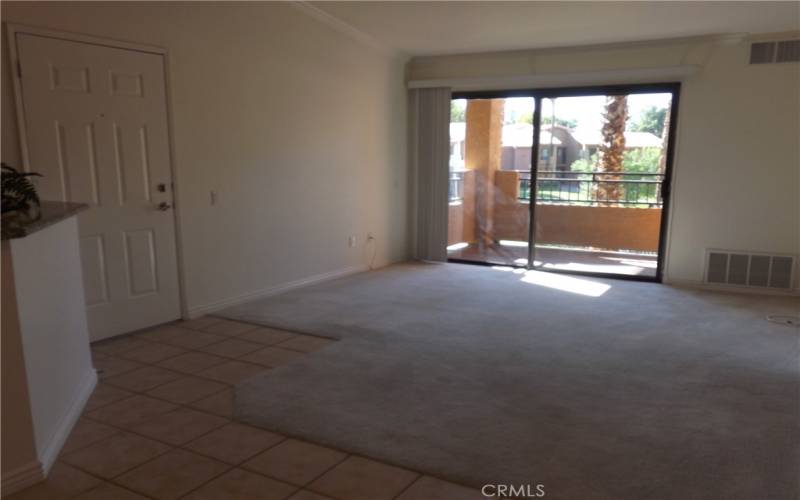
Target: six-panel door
{"points": [[96, 126]]}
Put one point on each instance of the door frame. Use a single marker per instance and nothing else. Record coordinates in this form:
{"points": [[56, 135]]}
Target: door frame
{"points": [[673, 88], [14, 29]]}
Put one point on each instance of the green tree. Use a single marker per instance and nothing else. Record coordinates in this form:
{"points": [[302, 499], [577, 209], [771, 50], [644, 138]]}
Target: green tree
{"points": [[585, 164], [651, 120], [458, 112], [642, 161]]}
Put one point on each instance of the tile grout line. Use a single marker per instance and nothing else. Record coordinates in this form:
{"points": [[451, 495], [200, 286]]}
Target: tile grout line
{"points": [[230, 420], [119, 430], [134, 393], [114, 479], [183, 375], [157, 364], [107, 481], [127, 430], [408, 486], [239, 466], [307, 486]]}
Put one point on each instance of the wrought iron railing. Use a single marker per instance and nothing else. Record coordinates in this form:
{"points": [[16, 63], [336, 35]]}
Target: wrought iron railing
{"points": [[591, 188], [456, 189]]}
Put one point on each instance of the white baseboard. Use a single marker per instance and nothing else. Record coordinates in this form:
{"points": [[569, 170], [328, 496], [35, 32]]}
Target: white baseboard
{"points": [[51, 449], [197, 311], [22, 477], [752, 290]]}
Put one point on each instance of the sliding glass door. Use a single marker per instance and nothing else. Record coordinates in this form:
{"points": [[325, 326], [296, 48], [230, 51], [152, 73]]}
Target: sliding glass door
{"points": [[564, 180], [490, 171]]}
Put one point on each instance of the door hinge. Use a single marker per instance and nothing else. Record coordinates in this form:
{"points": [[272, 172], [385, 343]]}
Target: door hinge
{"points": [[19, 69]]}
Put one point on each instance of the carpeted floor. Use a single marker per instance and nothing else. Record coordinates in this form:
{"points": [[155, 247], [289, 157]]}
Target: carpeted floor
{"points": [[596, 389]]}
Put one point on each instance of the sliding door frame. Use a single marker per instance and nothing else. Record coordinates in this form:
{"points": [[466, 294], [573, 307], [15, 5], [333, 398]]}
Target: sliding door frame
{"points": [[673, 88], [534, 188]]}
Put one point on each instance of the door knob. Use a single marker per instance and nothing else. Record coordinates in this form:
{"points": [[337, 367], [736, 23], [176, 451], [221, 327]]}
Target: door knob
{"points": [[164, 206]]}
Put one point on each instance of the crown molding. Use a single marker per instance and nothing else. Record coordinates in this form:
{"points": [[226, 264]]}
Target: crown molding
{"points": [[343, 27]]}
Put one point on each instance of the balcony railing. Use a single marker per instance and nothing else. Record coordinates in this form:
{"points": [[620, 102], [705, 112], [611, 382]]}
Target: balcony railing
{"points": [[591, 188], [456, 189]]}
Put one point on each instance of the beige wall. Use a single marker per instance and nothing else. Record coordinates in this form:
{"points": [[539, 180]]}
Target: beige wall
{"points": [[299, 128], [737, 167]]}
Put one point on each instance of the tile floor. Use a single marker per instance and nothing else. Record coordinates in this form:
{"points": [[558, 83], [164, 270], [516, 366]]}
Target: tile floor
{"points": [[159, 426]]}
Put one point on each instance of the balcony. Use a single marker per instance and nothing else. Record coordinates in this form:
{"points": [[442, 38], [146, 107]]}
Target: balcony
{"points": [[641, 190], [585, 221]]}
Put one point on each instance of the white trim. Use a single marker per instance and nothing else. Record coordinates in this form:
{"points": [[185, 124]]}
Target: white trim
{"points": [[274, 290], [13, 61], [176, 202], [673, 187], [343, 27], [21, 478], [549, 80], [52, 448], [14, 29]]}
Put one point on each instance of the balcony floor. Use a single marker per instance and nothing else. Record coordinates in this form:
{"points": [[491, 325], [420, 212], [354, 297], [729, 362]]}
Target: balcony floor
{"points": [[586, 260]]}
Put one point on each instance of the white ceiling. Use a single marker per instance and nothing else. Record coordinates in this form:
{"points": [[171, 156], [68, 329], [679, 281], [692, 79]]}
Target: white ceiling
{"points": [[426, 28]]}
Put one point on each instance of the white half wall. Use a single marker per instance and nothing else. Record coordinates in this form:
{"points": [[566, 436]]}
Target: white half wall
{"points": [[300, 129], [736, 172], [54, 332]]}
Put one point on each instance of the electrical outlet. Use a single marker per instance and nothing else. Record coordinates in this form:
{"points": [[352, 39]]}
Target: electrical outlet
{"points": [[351, 241]]}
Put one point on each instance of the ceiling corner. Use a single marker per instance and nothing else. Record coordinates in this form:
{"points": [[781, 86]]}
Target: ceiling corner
{"points": [[345, 28]]}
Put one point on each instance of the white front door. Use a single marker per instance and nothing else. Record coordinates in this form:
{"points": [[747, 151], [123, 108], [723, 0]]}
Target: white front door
{"points": [[96, 128]]}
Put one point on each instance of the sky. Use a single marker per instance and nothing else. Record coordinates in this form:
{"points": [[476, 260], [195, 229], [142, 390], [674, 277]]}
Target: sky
{"points": [[587, 111]]}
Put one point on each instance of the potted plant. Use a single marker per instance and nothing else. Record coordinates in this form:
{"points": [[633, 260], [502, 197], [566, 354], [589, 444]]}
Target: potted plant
{"points": [[19, 193], [20, 203]]}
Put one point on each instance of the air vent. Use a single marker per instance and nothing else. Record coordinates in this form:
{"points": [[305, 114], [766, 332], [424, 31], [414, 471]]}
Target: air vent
{"points": [[762, 52], [775, 52], [788, 51], [727, 267]]}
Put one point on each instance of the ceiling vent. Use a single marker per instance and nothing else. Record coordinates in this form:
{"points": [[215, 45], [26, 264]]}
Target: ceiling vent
{"points": [[729, 267], [775, 52]]}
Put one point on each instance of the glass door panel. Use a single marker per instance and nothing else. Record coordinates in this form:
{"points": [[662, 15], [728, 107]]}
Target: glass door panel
{"points": [[599, 172], [490, 171]]}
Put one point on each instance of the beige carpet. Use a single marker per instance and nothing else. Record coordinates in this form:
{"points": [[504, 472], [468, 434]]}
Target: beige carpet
{"points": [[597, 389]]}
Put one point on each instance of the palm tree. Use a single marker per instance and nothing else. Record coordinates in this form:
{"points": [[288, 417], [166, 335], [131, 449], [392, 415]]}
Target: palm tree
{"points": [[613, 148], [662, 161]]}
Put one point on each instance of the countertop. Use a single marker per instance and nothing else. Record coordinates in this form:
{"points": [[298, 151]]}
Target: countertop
{"points": [[20, 225]]}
